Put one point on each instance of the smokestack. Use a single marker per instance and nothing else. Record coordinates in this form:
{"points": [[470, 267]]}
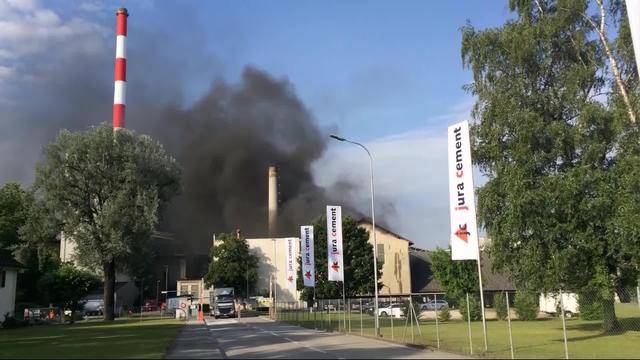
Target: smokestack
{"points": [[273, 200], [120, 72]]}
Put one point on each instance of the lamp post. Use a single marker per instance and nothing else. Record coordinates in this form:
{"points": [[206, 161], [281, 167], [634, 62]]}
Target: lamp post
{"points": [[373, 226]]}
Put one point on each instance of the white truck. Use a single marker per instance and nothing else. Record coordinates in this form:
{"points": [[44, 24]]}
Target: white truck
{"points": [[222, 302], [550, 304]]}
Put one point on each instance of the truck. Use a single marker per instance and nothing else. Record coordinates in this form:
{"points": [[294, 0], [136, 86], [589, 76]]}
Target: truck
{"points": [[550, 304], [222, 302]]}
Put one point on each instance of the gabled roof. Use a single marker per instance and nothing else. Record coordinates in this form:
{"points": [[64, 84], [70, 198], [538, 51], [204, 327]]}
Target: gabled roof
{"points": [[7, 260], [423, 280], [365, 220]]}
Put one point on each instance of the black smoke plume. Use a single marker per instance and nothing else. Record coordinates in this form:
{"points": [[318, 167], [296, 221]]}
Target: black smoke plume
{"points": [[225, 142]]}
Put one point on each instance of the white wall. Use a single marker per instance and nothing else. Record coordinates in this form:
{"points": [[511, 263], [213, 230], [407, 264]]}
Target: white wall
{"points": [[8, 293], [264, 249]]}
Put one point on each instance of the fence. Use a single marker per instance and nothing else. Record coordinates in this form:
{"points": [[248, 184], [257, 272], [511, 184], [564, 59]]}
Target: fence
{"points": [[518, 325]]}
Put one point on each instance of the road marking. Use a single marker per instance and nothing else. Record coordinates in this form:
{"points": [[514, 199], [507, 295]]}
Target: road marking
{"points": [[291, 340]]}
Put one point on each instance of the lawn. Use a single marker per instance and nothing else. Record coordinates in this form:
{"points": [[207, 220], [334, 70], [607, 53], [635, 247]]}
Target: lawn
{"points": [[126, 338], [532, 339]]}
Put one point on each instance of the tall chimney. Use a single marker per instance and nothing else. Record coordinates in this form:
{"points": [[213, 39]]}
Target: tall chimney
{"points": [[120, 71], [273, 200]]}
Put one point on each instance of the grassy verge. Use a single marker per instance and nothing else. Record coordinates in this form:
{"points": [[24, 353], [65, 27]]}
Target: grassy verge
{"points": [[128, 338], [532, 339]]}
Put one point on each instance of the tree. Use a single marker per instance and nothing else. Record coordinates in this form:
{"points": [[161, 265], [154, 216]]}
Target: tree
{"points": [[107, 188], [457, 278], [20, 212], [555, 136], [14, 202], [358, 262], [232, 264], [67, 286]]}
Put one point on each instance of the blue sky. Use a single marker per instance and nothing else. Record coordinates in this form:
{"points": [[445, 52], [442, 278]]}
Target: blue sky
{"points": [[385, 73]]}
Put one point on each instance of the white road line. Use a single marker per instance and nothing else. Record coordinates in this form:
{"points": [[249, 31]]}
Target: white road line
{"points": [[293, 341]]}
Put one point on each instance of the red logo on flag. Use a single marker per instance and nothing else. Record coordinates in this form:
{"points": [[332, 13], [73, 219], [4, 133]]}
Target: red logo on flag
{"points": [[290, 278], [335, 266], [308, 275], [462, 233]]}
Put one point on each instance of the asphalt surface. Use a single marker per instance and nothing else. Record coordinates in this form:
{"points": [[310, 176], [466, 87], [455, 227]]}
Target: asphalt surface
{"points": [[262, 338]]}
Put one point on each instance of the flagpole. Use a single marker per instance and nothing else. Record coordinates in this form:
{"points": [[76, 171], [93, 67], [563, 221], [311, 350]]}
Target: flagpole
{"points": [[344, 304]]}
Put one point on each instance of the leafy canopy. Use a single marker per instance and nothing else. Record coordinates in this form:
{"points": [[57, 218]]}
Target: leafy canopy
{"points": [[232, 264]]}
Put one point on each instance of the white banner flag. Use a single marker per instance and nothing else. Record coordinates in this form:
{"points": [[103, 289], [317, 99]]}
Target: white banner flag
{"points": [[291, 262], [334, 243], [462, 200], [633, 12], [308, 262]]}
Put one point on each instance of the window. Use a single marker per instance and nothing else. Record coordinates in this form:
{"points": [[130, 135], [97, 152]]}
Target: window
{"points": [[3, 279], [381, 253], [194, 291], [184, 289]]}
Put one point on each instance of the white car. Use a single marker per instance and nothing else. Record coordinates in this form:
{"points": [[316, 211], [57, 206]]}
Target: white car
{"points": [[550, 304], [391, 310]]}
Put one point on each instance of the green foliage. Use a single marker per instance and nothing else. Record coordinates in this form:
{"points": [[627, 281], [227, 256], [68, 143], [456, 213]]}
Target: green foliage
{"points": [[499, 303], [457, 278], [475, 311], [358, 262], [590, 305], [444, 314], [526, 305], [553, 137], [14, 204], [106, 188], [67, 286], [232, 264]]}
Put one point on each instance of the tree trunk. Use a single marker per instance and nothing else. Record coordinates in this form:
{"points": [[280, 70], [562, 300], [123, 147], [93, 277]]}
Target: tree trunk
{"points": [[610, 323], [109, 270]]}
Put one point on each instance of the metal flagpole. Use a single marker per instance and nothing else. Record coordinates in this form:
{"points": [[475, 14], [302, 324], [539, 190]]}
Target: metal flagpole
{"points": [[509, 320], [484, 322], [344, 306], [469, 325]]}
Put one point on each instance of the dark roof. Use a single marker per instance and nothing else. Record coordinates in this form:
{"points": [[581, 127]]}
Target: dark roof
{"points": [[383, 229], [423, 281], [7, 260]]}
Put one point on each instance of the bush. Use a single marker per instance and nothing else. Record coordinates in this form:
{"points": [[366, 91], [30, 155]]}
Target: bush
{"points": [[590, 306], [474, 308], [499, 303], [526, 305], [444, 314], [11, 323]]}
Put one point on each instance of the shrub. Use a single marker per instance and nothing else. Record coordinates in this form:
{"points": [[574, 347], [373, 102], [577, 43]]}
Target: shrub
{"points": [[526, 305], [474, 308], [444, 314], [590, 306], [11, 323], [499, 303]]}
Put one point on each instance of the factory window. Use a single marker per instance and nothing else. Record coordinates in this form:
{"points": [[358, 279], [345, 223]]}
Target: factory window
{"points": [[381, 253], [3, 278]]}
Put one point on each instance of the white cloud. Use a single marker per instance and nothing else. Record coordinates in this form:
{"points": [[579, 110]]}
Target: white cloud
{"points": [[410, 172], [29, 29]]}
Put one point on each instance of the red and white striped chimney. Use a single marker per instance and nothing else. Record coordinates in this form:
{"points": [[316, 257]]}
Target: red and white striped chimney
{"points": [[120, 72]]}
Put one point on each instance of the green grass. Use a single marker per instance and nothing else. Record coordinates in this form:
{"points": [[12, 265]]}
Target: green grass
{"points": [[127, 338], [532, 339]]}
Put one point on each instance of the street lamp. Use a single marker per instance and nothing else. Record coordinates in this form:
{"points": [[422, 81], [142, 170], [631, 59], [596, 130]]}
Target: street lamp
{"points": [[373, 225]]}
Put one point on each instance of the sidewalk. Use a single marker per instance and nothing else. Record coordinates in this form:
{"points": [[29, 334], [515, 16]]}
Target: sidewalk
{"points": [[194, 342]]}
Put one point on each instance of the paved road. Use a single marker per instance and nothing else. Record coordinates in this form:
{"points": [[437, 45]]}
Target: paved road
{"points": [[263, 338]]}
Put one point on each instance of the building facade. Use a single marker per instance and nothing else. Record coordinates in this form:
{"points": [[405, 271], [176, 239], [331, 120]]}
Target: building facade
{"points": [[8, 282], [271, 267], [393, 252]]}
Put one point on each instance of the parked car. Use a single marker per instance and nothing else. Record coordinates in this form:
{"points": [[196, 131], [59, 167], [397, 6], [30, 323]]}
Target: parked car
{"points": [[93, 307], [391, 310], [434, 305]]}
